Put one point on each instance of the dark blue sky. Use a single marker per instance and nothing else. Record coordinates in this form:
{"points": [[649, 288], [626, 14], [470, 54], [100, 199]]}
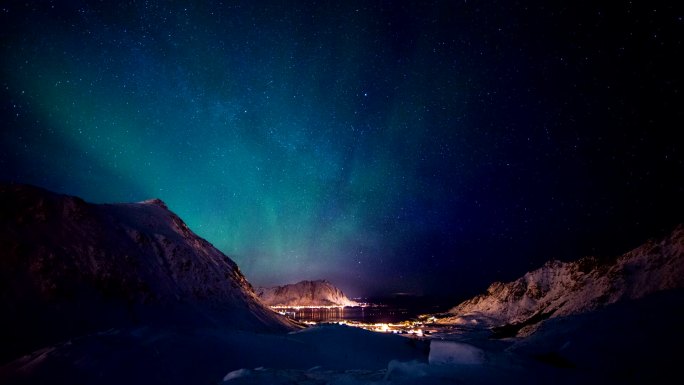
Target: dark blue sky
{"points": [[421, 147]]}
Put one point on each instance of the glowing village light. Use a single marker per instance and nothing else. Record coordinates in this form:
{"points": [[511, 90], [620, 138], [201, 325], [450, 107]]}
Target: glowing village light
{"points": [[407, 328]]}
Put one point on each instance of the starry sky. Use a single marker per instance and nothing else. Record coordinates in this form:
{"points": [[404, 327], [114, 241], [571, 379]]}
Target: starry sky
{"points": [[422, 147]]}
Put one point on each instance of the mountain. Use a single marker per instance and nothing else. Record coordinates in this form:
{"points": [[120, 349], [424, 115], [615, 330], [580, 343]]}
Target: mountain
{"points": [[304, 293], [565, 288], [68, 267]]}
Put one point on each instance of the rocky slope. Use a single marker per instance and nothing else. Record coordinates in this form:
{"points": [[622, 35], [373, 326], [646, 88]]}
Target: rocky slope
{"points": [[564, 288], [304, 293], [68, 267]]}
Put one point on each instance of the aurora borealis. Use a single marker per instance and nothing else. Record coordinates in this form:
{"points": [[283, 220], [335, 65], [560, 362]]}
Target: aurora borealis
{"points": [[421, 147]]}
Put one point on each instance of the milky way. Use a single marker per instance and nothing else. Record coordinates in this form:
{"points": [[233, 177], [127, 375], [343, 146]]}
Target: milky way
{"points": [[422, 147]]}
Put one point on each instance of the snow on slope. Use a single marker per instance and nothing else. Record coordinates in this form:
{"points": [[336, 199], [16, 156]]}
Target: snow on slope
{"points": [[629, 342], [564, 288], [68, 267], [304, 293]]}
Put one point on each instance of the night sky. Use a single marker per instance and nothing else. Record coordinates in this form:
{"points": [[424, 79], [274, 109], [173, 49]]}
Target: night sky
{"points": [[424, 147]]}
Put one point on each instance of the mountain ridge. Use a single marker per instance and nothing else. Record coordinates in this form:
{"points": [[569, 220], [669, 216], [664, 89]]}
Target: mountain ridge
{"points": [[304, 293], [560, 289], [68, 267]]}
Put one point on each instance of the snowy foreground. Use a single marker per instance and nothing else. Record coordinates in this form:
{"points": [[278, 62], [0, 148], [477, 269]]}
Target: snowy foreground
{"points": [[634, 342]]}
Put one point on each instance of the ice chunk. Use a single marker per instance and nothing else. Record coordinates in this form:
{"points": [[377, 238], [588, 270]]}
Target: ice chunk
{"points": [[411, 369], [451, 352], [236, 374]]}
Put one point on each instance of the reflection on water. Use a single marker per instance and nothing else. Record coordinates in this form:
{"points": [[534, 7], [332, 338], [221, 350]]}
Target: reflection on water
{"points": [[396, 318], [384, 314]]}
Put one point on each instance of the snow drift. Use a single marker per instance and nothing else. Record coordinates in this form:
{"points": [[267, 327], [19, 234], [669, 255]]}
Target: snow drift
{"points": [[206, 356]]}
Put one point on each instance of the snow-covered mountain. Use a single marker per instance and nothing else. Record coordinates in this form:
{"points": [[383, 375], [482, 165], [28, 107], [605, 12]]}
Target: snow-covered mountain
{"points": [[565, 288], [304, 293], [68, 267]]}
